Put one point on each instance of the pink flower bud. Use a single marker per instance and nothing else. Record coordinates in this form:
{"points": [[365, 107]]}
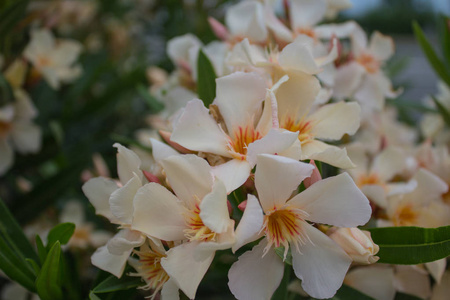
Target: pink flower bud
{"points": [[166, 136], [219, 30], [315, 176], [242, 205], [151, 177], [357, 244]]}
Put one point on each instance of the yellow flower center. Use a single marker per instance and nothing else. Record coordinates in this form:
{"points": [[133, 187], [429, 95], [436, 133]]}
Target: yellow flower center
{"points": [[198, 231], [303, 127], [306, 31], [368, 62], [405, 215], [43, 61], [365, 179], [151, 271], [240, 139]]}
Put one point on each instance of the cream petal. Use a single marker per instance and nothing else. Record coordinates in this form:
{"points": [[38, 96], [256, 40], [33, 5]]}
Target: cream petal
{"points": [[161, 151], [370, 94], [437, 269], [158, 213], [42, 43], [381, 46], [189, 176], [66, 53], [321, 264], [24, 107], [98, 190], [376, 282], [125, 240], [26, 137], [249, 227], [429, 187], [197, 130], [127, 163], [186, 265], [277, 177], [214, 209], [376, 194], [348, 78], [389, 162], [121, 200], [254, 275], [307, 13], [239, 97], [7, 113], [412, 281], [246, 19], [329, 154], [275, 142], [334, 201], [170, 291], [277, 27], [178, 47], [298, 56], [114, 264], [233, 173], [6, 156], [342, 30], [332, 121]]}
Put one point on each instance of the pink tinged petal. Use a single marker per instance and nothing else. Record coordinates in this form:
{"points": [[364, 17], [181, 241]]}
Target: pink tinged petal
{"points": [[239, 97], [214, 209], [315, 175], [161, 151], [189, 176], [277, 177], [121, 200], [178, 47], [277, 27], [275, 142], [329, 154], [246, 19], [381, 46], [376, 282], [187, 265], [127, 163], [166, 137], [348, 78], [413, 281], [343, 30], [321, 264], [437, 269], [255, 276], [332, 121], [114, 264], [389, 162], [307, 13], [334, 201], [170, 290], [98, 190], [250, 225], [124, 241], [218, 28], [26, 137], [233, 173], [298, 56], [197, 130], [158, 213], [6, 156]]}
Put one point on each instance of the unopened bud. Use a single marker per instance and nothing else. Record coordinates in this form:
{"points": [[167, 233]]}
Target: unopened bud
{"points": [[242, 205], [315, 176], [358, 244], [219, 29]]}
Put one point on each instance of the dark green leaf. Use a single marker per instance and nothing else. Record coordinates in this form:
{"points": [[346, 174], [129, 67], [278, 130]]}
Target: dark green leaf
{"points": [[436, 63], [402, 296], [15, 273], [206, 79], [346, 292], [62, 233], [34, 265], [93, 296], [282, 291], [48, 281], [6, 92], [442, 111], [112, 284], [445, 24], [42, 252], [151, 101], [411, 245], [280, 252], [11, 16]]}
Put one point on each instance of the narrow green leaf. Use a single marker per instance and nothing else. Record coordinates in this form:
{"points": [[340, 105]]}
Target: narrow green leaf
{"points": [[112, 284], [433, 59], [280, 252], [420, 244], [16, 273], [442, 111], [403, 296], [13, 255], [48, 281], [62, 233], [11, 16], [346, 292], [7, 95], [151, 101], [93, 296], [42, 252], [34, 265], [206, 79], [445, 24]]}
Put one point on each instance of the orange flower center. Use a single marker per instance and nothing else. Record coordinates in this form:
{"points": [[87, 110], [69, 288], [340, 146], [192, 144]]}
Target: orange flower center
{"points": [[405, 215], [151, 270], [303, 127], [307, 31], [198, 231], [43, 61], [365, 179], [241, 138], [368, 62]]}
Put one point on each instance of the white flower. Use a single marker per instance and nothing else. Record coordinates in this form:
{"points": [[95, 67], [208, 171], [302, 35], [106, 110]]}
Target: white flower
{"points": [[317, 260]]}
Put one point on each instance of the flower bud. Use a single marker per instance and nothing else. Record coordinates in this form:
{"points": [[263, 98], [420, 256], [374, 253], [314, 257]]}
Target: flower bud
{"points": [[357, 244]]}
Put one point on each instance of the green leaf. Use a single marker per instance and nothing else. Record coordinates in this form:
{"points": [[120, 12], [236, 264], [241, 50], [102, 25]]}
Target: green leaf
{"points": [[152, 102], [346, 292], [403, 296], [7, 95], [206, 79], [282, 291], [433, 59], [48, 280], [15, 273], [62, 233], [42, 252], [280, 252], [411, 245], [445, 24], [93, 296], [112, 284], [11, 16], [442, 111], [34, 265]]}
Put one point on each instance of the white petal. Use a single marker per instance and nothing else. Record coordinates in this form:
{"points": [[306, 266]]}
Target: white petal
{"points": [[348, 78], [114, 264], [321, 265], [125, 240], [389, 162], [66, 53], [412, 281], [170, 291], [233, 173], [254, 276], [332, 121], [370, 93], [277, 27], [158, 213], [277, 177], [6, 156], [342, 30], [246, 19], [161, 151], [26, 137], [98, 190], [24, 107], [329, 154], [442, 290], [224, 240], [376, 282], [187, 266], [214, 209], [250, 225], [334, 201], [274, 142], [381, 46], [178, 47], [429, 187], [197, 130], [376, 194], [121, 200], [239, 97], [299, 56], [127, 163], [189, 176], [437, 269], [307, 13]]}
